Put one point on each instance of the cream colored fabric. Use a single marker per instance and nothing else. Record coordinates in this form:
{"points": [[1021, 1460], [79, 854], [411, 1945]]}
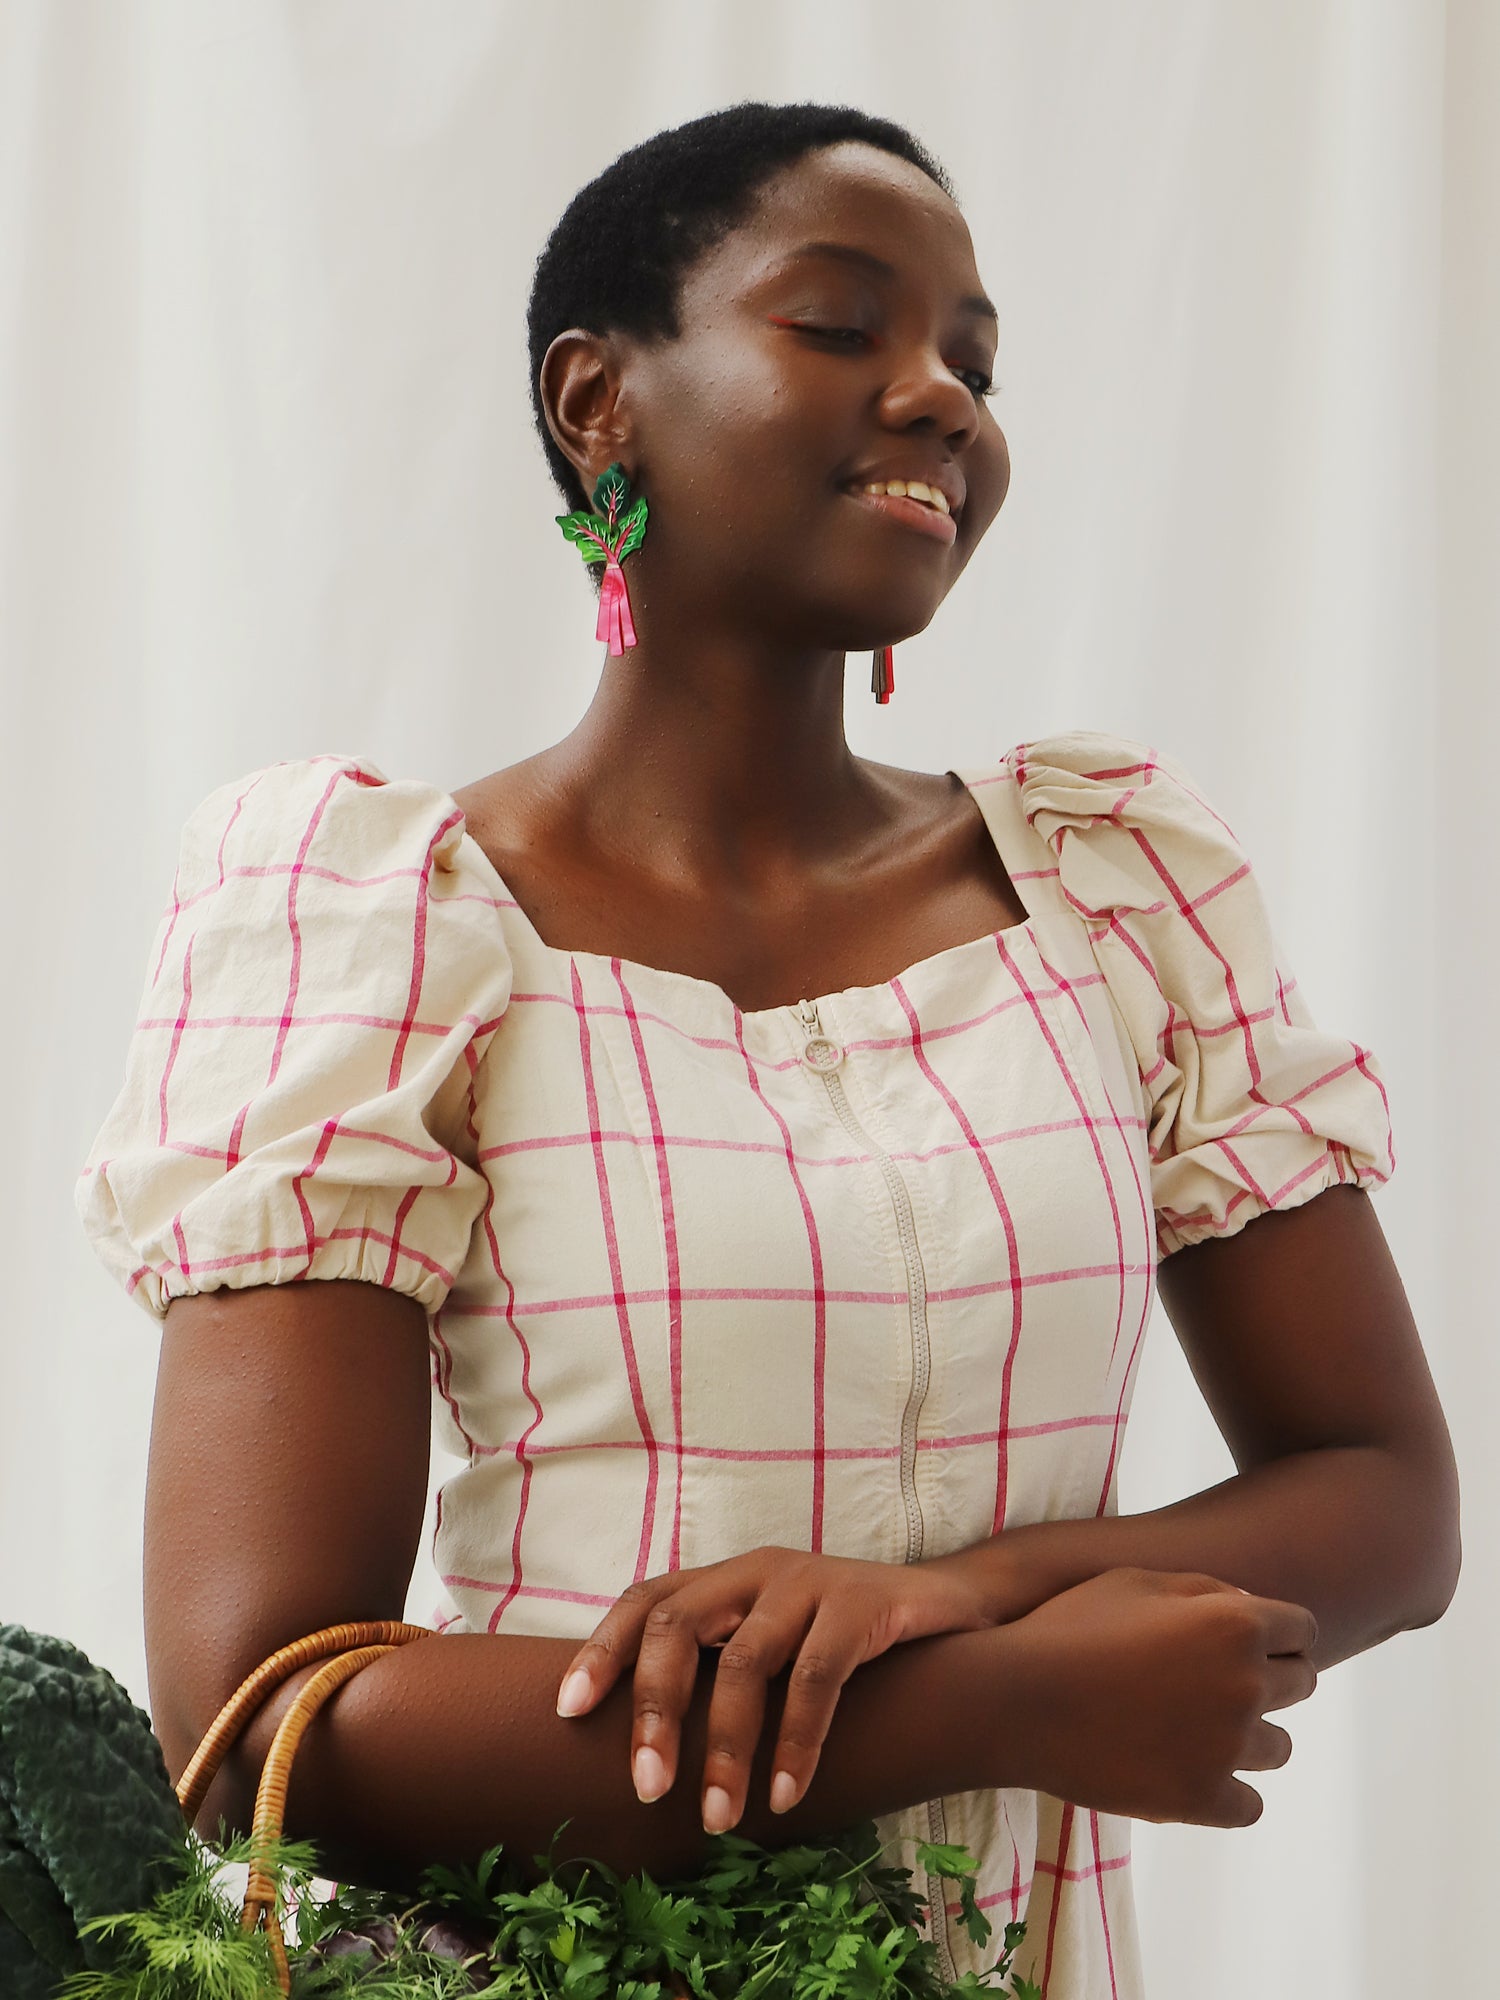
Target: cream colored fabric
{"points": [[690, 1293]]}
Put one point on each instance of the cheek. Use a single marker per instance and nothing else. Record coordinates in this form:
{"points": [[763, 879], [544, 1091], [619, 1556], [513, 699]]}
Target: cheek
{"points": [[715, 410], [735, 434], [989, 481]]}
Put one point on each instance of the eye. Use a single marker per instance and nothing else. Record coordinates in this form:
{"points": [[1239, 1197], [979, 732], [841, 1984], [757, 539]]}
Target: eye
{"points": [[844, 336], [978, 381]]}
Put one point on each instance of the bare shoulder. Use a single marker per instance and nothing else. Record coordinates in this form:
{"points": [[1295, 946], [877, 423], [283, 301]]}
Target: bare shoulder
{"points": [[514, 811], [933, 799], [931, 825], [503, 796]]}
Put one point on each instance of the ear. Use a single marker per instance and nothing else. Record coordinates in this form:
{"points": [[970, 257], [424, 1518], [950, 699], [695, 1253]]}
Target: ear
{"points": [[580, 386]]}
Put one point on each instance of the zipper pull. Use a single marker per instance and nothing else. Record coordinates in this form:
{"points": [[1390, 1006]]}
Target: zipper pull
{"points": [[819, 1052]]}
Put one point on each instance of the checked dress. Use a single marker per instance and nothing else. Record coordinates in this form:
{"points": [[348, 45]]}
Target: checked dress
{"points": [[867, 1275]]}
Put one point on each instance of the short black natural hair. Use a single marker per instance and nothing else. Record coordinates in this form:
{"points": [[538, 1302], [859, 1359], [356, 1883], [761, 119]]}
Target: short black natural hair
{"points": [[616, 260]]}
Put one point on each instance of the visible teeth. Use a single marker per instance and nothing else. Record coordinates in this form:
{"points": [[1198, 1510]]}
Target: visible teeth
{"points": [[911, 489]]}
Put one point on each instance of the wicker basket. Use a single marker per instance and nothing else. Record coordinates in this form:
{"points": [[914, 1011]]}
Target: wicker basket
{"points": [[344, 1650]]}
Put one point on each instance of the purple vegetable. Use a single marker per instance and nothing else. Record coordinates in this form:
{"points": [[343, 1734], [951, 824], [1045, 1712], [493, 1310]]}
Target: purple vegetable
{"points": [[375, 1940], [445, 1937]]}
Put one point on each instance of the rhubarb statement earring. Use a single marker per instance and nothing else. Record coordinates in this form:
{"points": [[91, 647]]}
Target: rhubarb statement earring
{"points": [[883, 673], [615, 529]]}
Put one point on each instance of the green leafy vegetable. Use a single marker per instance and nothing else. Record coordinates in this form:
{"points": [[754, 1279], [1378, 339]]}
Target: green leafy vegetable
{"points": [[808, 1923], [88, 1819]]}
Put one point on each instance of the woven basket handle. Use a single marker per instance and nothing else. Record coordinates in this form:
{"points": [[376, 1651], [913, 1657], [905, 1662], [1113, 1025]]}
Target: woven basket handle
{"points": [[344, 1649]]}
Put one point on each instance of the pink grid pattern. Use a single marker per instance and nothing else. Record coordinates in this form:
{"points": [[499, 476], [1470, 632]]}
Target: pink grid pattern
{"points": [[669, 1314]]}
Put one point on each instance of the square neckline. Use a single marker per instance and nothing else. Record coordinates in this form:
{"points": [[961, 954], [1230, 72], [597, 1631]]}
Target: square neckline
{"points": [[711, 988]]}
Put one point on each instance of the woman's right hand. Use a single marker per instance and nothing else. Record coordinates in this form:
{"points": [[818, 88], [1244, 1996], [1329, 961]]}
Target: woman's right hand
{"points": [[1147, 1690]]}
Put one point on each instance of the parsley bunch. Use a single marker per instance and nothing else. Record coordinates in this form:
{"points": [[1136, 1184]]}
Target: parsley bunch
{"points": [[831, 1921]]}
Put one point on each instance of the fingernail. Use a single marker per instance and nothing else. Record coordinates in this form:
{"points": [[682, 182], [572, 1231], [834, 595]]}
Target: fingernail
{"points": [[783, 1792], [573, 1696], [650, 1775], [718, 1812]]}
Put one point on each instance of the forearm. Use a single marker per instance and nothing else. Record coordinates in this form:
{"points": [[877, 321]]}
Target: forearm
{"points": [[449, 1745], [1363, 1539]]}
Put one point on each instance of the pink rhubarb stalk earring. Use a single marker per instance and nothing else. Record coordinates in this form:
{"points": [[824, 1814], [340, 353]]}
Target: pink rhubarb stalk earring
{"points": [[615, 529], [883, 673]]}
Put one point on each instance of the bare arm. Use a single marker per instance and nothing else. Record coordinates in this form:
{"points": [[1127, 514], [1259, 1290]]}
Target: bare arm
{"points": [[287, 1482], [286, 1490], [1299, 1334]]}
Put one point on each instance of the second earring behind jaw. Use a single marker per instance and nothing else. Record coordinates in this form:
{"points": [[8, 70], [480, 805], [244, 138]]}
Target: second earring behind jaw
{"points": [[883, 674]]}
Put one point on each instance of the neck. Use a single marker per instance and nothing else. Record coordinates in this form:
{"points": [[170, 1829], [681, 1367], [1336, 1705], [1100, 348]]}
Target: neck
{"points": [[723, 760]]}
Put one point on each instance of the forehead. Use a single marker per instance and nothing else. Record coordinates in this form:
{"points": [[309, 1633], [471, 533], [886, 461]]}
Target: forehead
{"points": [[852, 194]]}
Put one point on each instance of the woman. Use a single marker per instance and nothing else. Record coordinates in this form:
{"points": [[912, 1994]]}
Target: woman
{"points": [[765, 1153]]}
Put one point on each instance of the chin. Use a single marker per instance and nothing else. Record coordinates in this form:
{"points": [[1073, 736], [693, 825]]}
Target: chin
{"points": [[853, 608], [888, 623], [893, 607]]}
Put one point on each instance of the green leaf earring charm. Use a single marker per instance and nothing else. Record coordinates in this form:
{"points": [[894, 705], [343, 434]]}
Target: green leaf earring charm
{"points": [[615, 529]]}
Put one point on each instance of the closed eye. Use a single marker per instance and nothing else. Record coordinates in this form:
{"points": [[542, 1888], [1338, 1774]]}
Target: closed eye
{"points": [[973, 379], [845, 335]]}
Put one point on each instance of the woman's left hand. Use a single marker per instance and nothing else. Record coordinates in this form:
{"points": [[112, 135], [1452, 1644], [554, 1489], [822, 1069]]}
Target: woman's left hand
{"points": [[822, 1615]]}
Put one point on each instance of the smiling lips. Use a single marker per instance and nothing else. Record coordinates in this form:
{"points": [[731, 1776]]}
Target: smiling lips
{"points": [[912, 503], [910, 489]]}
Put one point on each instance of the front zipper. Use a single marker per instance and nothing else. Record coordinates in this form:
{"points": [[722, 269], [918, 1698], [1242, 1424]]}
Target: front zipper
{"points": [[824, 1056]]}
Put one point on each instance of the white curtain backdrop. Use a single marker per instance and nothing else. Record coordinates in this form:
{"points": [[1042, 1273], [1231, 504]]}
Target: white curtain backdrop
{"points": [[267, 488]]}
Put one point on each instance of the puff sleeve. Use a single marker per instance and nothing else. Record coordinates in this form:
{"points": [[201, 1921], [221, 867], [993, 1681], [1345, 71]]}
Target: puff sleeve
{"points": [[298, 1097], [1250, 1106]]}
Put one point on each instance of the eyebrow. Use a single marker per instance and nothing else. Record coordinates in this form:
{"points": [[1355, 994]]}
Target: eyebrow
{"points": [[866, 260]]}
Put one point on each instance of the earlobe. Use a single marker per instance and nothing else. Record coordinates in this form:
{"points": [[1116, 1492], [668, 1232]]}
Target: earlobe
{"points": [[579, 390]]}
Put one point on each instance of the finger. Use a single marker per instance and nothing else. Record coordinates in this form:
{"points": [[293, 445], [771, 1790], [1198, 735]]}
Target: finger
{"points": [[1289, 1628], [1182, 1583], [666, 1674], [1237, 1804], [1290, 1678], [825, 1660], [737, 1708], [610, 1648], [1267, 1747], [716, 1626]]}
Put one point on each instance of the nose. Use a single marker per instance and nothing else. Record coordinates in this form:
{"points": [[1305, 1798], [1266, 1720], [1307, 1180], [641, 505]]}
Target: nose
{"points": [[923, 393]]}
